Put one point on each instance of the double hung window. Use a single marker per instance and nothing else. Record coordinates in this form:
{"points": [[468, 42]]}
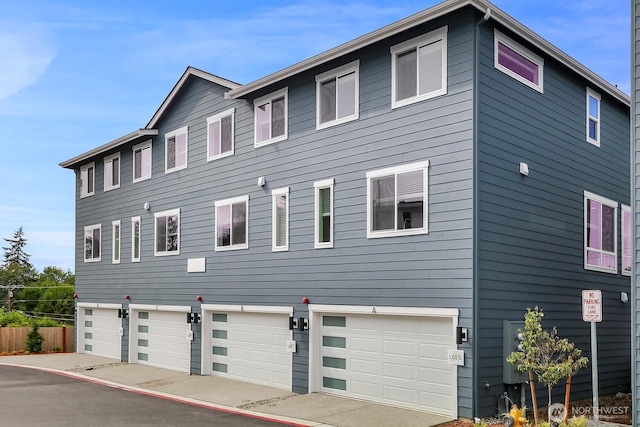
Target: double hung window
{"points": [[600, 230], [337, 95], [142, 161], [419, 68], [135, 239], [112, 172], [176, 149], [280, 219], [323, 214], [92, 242], [87, 180], [115, 242], [232, 224], [518, 62], [271, 118], [397, 200], [593, 117]]}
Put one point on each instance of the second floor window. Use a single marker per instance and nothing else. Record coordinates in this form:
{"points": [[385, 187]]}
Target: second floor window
{"points": [[324, 214], [280, 219], [397, 200], [176, 149], [518, 62], [600, 230], [115, 242], [232, 224], [92, 243], [112, 172], [167, 232], [87, 180], [135, 239], [271, 118]]}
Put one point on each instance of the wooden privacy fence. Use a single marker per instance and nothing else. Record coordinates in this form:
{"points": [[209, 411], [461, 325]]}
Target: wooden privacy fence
{"points": [[55, 339]]}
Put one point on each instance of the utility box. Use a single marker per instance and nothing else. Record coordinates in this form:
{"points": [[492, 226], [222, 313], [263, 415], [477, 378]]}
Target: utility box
{"points": [[510, 342]]}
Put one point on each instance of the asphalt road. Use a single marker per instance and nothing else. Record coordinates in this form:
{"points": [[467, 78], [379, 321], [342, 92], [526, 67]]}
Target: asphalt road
{"points": [[36, 398]]}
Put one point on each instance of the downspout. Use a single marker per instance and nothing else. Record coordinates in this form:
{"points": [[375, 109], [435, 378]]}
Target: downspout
{"points": [[476, 292]]}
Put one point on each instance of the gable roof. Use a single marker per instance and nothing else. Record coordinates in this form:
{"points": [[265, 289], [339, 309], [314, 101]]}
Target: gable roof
{"points": [[190, 71], [441, 9]]}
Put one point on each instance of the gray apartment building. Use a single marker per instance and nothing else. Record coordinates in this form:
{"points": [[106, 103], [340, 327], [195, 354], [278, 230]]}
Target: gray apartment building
{"points": [[368, 222]]}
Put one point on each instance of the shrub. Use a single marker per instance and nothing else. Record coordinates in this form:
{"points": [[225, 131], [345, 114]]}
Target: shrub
{"points": [[34, 339]]}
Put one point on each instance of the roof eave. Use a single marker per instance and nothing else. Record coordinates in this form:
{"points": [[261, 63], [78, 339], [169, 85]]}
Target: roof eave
{"points": [[420, 18], [190, 71], [133, 136]]}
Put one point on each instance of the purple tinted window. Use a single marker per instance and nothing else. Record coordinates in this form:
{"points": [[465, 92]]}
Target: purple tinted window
{"points": [[517, 63]]}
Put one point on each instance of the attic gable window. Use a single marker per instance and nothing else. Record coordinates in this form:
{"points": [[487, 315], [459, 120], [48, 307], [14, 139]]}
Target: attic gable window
{"points": [[176, 149], [142, 161], [337, 95], [271, 118], [518, 62], [112, 172], [419, 68]]}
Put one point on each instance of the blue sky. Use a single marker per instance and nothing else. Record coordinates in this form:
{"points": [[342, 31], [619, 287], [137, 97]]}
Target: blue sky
{"points": [[77, 74]]}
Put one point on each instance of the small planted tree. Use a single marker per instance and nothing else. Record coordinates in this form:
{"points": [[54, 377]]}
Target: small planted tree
{"points": [[34, 339], [551, 358]]}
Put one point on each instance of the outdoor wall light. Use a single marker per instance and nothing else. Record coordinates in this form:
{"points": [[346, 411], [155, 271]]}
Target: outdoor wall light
{"points": [[146, 206], [261, 181], [305, 300], [75, 296], [199, 298], [524, 169], [624, 297], [127, 297]]}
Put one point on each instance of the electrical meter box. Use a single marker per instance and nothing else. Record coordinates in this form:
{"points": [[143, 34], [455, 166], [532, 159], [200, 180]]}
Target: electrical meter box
{"points": [[510, 342]]}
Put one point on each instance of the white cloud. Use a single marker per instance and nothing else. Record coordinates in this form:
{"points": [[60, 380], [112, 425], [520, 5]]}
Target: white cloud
{"points": [[26, 53]]}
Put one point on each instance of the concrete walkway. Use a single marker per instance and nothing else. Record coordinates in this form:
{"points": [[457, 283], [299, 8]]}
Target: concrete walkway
{"points": [[314, 409]]}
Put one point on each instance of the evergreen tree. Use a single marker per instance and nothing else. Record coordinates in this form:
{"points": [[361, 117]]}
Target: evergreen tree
{"points": [[15, 254]]}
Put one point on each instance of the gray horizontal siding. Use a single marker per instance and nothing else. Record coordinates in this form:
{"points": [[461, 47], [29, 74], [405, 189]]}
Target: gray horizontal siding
{"points": [[530, 232], [432, 270]]}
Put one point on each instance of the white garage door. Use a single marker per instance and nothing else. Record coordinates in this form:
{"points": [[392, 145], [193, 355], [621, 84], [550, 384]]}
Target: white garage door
{"points": [[249, 347], [398, 360], [99, 331], [160, 338]]}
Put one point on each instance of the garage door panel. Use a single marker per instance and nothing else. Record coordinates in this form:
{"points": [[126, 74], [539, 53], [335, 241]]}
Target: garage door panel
{"points": [[100, 334], [256, 344], [401, 360]]}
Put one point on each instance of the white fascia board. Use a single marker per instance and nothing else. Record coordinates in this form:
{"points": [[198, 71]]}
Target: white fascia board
{"points": [[190, 71], [133, 136], [427, 15]]}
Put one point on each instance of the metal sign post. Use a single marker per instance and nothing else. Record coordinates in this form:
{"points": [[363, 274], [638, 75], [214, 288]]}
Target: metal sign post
{"points": [[592, 312]]}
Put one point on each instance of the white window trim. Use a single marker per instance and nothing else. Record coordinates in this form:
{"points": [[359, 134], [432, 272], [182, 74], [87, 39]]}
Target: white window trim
{"points": [[352, 67], [84, 253], [174, 133], [415, 43], [218, 118], [263, 100], [614, 205], [499, 37], [591, 93], [141, 147], [274, 219], [115, 224], [109, 159], [392, 171], [155, 232], [84, 169], [626, 210], [226, 202], [133, 239], [319, 185]]}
